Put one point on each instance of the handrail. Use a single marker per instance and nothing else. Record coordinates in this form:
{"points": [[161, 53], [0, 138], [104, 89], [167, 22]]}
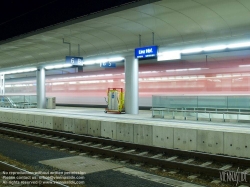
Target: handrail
{"points": [[197, 112], [22, 102]]}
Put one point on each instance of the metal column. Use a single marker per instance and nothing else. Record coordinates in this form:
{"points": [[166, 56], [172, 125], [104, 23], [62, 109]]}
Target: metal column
{"points": [[40, 88], [131, 86], [2, 84]]}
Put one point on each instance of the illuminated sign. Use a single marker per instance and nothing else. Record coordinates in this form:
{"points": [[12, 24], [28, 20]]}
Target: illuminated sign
{"points": [[74, 60], [146, 52]]}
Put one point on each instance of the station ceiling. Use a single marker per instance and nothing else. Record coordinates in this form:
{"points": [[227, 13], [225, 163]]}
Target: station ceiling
{"points": [[116, 31]]}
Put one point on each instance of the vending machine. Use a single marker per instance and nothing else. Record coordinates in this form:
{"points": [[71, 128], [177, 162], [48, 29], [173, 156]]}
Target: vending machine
{"points": [[115, 102]]}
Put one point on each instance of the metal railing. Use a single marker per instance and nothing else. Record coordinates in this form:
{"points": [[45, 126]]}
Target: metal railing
{"points": [[202, 107], [18, 101], [198, 114]]}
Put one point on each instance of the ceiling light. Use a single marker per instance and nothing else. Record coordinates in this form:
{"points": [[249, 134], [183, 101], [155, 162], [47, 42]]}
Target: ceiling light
{"points": [[58, 66], [20, 71], [192, 69], [213, 48], [193, 50], [115, 59], [101, 61], [238, 45], [89, 62], [248, 65]]}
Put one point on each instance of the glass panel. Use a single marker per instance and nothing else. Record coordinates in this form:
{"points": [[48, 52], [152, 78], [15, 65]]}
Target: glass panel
{"points": [[18, 101], [212, 102], [183, 102], [202, 102], [239, 102]]}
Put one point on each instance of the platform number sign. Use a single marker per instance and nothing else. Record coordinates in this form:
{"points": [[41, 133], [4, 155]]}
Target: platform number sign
{"points": [[74, 60], [108, 65]]}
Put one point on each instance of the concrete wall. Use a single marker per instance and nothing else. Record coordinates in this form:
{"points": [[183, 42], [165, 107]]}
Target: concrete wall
{"points": [[81, 126]]}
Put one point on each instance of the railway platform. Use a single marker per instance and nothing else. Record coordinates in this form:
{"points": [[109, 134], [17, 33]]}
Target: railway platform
{"points": [[217, 137]]}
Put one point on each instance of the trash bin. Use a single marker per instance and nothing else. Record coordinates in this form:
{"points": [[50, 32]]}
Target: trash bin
{"points": [[50, 102]]}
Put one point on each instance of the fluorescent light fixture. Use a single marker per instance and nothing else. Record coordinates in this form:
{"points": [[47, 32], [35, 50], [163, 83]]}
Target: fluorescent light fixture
{"points": [[181, 70], [115, 59], [20, 71], [236, 75], [193, 69], [213, 48], [192, 50], [89, 62], [172, 55], [248, 65], [238, 45], [57, 83], [58, 66], [101, 61]]}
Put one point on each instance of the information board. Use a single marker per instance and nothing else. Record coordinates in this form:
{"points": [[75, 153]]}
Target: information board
{"points": [[146, 52]]}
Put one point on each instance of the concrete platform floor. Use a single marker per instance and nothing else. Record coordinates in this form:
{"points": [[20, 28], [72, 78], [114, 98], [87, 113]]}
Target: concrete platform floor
{"points": [[143, 116]]}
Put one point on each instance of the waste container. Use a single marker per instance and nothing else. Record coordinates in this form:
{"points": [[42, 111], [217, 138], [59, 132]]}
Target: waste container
{"points": [[50, 102]]}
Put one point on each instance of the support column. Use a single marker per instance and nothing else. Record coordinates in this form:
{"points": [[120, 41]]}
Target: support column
{"points": [[131, 85], [40, 87], [2, 84]]}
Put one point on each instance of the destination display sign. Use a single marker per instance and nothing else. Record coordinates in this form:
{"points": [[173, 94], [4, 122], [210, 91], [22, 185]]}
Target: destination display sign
{"points": [[74, 60], [146, 52]]}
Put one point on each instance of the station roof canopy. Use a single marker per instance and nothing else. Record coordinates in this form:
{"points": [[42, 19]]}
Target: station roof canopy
{"points": [[117, 30]]}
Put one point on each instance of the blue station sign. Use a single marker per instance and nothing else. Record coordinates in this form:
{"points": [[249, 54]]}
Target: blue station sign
{"points": [[108, 65], [74, 60], [146, 52]]}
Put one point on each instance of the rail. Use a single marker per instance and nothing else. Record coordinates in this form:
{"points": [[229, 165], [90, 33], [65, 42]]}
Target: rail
{"points": [[156, 156]]}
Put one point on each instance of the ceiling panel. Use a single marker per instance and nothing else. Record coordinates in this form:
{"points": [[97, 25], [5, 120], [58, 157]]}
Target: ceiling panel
{"points": [[174, 22]]}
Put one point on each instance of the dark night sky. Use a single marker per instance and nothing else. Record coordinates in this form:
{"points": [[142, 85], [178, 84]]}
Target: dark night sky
{"points": [[22, 16]]}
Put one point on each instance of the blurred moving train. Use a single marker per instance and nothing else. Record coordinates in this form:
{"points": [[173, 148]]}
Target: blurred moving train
{"points": [[165, 78]]}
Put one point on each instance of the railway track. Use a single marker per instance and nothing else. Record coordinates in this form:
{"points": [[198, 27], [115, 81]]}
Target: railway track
{"points": [[193, 163], [12, 175]]}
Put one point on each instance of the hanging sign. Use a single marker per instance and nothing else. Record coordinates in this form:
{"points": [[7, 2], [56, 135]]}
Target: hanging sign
{"points": [[108, 65], [74, 60], [146, 52]]}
